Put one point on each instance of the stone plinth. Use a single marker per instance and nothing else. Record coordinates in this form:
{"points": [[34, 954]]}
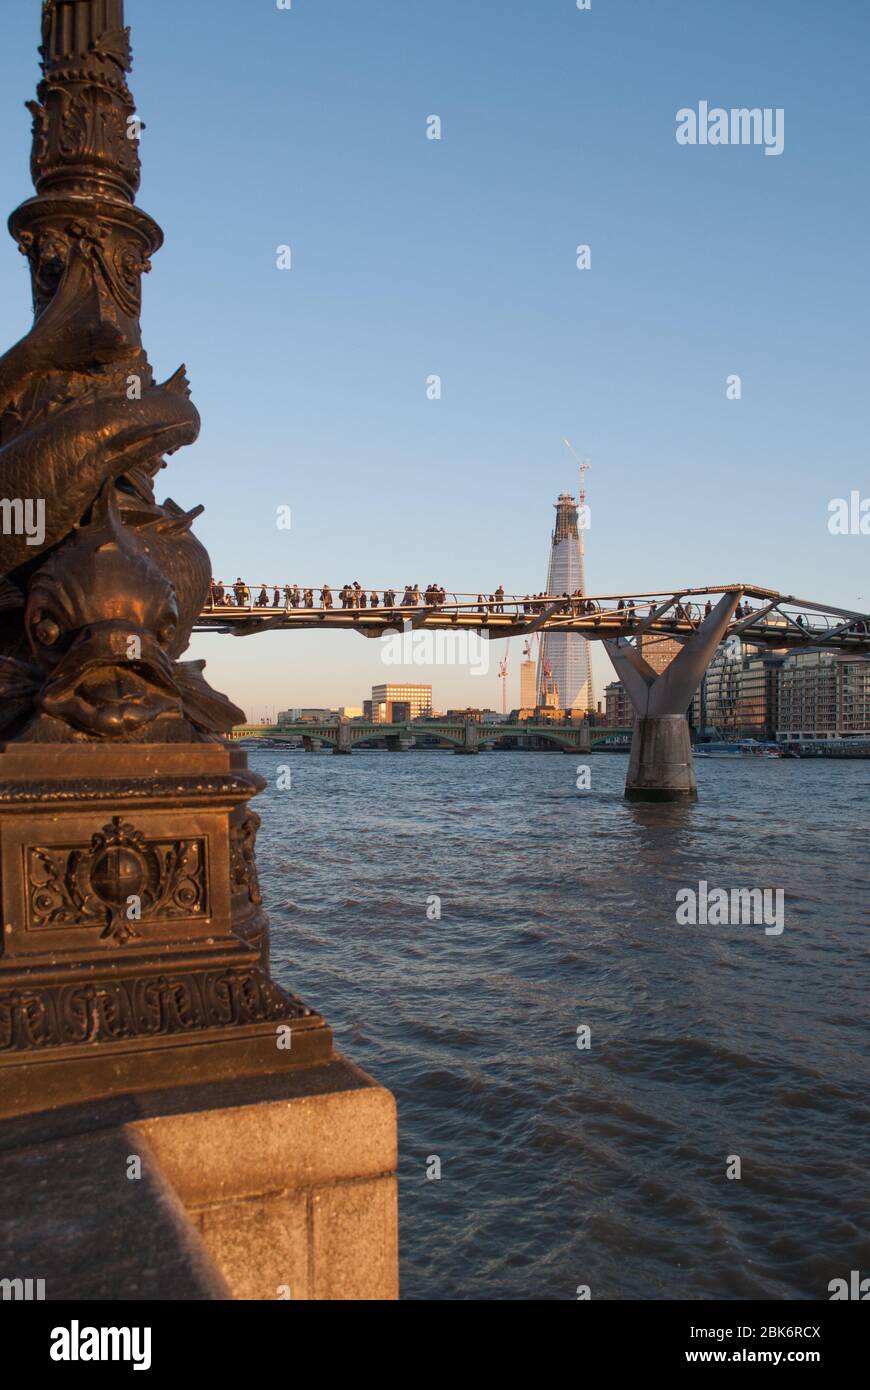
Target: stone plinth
{"points": [[278, 1187]]}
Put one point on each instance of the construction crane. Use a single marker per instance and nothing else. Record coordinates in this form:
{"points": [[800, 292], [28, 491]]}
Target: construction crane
{"points": [[584, 465], [502, 675], [546, 668], [549, 687]]}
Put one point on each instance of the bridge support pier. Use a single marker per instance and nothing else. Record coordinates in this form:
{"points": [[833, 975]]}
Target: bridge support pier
{"points": [[343, 743], [661, 767], [471, 740], [583, 742]]}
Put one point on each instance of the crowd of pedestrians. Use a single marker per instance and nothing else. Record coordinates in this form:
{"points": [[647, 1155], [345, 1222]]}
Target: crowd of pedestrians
{"points": [[354, 596], [290, 596]]}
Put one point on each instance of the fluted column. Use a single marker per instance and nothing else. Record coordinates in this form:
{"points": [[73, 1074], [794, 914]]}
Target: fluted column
{"points": [[83, 143], [71, 26]]}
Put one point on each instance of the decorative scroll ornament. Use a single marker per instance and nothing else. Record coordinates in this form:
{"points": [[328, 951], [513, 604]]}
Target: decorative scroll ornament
{"points": [[119, 883]]}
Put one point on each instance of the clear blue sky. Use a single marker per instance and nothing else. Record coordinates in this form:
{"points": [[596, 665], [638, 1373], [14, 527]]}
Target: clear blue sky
{"points": [[412, 257]]}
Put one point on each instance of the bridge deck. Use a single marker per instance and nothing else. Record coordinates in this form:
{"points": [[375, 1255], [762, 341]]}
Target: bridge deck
{"points": [[782, 621]]}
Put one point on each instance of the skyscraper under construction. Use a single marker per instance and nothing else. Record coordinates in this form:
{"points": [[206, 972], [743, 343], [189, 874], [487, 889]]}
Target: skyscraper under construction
{"points": [[564, 674]]}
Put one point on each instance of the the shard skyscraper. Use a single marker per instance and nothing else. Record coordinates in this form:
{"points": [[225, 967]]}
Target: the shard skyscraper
{"points": [[564, 674]]}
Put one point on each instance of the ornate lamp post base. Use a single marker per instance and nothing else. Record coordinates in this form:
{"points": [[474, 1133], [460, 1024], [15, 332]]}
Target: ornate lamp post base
{"points": [[134, 950]]}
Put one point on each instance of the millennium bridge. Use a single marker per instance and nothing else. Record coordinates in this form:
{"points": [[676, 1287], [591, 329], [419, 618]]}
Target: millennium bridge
{"points": [[780, 620], [699, 619]]}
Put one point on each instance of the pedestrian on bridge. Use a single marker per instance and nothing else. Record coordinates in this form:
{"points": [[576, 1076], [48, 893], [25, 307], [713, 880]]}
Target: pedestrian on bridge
{"points": [[262, 597], [326, 597]]}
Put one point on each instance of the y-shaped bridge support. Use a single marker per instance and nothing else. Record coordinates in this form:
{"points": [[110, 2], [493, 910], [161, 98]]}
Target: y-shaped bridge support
{"points": [[660, 767]]}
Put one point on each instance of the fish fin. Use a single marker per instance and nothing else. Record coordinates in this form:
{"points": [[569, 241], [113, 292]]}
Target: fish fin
{"points": [[177, 383], [10, 595]]}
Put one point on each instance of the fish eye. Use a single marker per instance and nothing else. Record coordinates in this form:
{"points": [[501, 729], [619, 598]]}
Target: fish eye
{"points": [[47, 630], [167, 630]]}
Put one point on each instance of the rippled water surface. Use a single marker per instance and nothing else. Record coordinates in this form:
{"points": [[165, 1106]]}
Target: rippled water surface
{"points": [[605, 1167]]}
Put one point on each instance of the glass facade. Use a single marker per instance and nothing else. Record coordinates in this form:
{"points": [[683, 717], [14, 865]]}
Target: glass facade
{"points": [[824, 694], [415, 701], [565, 654], [739, 696]]}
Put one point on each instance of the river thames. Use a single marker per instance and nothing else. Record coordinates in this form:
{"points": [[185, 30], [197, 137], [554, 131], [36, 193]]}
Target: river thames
{"points": [[600, 1166]]}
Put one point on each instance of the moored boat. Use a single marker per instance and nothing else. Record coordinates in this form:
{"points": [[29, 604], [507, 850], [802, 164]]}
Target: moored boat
{"points": [[738, 748]]}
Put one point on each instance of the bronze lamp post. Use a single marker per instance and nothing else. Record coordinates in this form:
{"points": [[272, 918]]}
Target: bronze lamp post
{"points": [[134, 947]]}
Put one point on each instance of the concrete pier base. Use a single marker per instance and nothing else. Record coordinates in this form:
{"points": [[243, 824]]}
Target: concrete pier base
{"points": [[661, 767], [276, 1187]]}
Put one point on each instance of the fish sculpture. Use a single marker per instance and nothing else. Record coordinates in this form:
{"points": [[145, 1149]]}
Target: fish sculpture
{"points": [[97, 602]]}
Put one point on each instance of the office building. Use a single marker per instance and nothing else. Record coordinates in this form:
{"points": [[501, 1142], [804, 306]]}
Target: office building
{"points": [[395, 703], [824, 695], [564, 672]]}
